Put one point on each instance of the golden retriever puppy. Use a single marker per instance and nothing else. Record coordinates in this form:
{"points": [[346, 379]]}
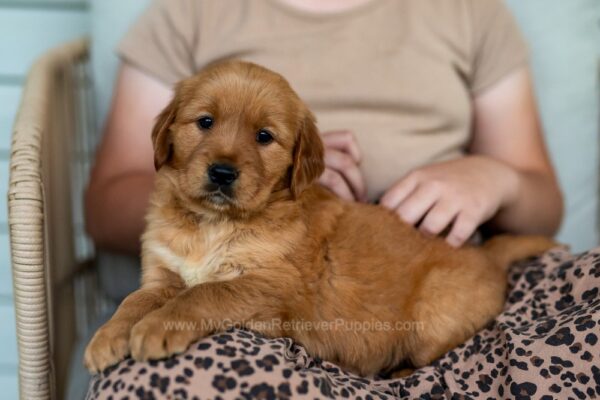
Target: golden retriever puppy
{"points": [[238, 232]]}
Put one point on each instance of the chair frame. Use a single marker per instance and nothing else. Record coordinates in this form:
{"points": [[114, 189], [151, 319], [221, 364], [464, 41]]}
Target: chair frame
{"points": [[42, 227]]}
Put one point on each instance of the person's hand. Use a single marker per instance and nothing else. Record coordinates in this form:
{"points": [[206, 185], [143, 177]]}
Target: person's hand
{"points": [[463, 193], [342, 174]]}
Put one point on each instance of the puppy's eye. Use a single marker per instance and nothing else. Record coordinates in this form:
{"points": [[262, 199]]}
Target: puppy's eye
{"points": [[264, 137], [205, 123]]}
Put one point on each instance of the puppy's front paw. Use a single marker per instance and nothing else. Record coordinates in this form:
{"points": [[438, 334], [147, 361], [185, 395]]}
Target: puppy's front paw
{"points": [[159, 335], [108, 346]]}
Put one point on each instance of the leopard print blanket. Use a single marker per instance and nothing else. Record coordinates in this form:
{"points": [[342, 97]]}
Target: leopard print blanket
{"points": [[543, 346]]}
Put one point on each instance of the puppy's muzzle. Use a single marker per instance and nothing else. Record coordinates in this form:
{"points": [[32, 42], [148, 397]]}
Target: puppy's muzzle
{"points": [[222, 174]]}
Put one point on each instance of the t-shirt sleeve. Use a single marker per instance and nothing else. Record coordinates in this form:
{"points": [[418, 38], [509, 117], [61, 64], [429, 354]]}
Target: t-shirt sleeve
{"points": [[498, 46], [161, 41]]}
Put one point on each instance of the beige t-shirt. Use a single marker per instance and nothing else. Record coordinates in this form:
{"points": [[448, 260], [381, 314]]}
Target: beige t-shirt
{"points": [[400, 74]]}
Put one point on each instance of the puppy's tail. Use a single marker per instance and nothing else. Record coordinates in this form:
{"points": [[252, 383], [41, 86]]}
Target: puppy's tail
{"points": [[506, 249]]}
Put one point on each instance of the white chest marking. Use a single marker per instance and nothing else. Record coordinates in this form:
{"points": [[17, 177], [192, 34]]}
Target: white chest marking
{"points": [[216, 264]]}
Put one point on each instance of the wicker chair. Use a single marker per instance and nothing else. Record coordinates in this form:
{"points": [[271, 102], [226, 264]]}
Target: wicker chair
{"points": [[50, 149]]}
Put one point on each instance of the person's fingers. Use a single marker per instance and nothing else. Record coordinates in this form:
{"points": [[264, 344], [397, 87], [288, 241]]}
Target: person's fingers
{"points": [[343, 141], [399, 192], [414, 207], [334, 181], [439, 218], [345, 165], [462, 229]]}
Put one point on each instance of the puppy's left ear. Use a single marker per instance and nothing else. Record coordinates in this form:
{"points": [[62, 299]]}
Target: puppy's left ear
{"points": [[161, 137], [308, 156]]}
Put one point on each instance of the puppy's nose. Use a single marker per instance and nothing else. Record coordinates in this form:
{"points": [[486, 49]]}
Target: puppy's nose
{"points": [[222, 174]]}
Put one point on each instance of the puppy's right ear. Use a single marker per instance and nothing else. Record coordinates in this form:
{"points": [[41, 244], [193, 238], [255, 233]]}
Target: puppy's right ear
{"points": [[161, 137]]}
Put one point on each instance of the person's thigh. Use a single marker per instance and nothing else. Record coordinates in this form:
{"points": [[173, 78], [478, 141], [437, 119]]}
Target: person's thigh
{"points": [[545, 343], [234, 364]]}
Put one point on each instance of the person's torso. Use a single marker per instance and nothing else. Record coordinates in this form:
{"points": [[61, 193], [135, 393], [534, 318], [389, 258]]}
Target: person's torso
{"points": [[394, 72]]}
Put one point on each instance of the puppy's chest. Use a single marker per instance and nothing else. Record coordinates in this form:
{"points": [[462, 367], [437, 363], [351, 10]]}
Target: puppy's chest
{"points": [[211, 254]]}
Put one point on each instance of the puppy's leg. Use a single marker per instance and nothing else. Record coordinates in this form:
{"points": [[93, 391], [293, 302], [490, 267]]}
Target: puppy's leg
{"points": [[202, 310], [454, 303], [431, 346], [441, 329], [110, 344], [403, 373]]}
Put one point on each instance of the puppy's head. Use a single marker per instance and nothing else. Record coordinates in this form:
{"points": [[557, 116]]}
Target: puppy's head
{"points": [[233, 135]]}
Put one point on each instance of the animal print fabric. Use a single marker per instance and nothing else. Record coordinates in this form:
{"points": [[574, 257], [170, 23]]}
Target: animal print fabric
{"points": [[543, 346]]}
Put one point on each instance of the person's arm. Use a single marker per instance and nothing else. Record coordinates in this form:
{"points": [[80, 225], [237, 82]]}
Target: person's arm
{"points": [[507, 128], [507, 180], [123, 174]]}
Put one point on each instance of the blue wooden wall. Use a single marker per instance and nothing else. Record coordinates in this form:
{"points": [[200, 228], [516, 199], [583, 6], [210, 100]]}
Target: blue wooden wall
{"points": [[27, 29]]}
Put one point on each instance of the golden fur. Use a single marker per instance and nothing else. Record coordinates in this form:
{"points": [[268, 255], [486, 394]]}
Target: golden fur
{"points": [[356, 285]]}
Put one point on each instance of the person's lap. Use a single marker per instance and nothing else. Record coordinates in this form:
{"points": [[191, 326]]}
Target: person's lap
{"points": [[544, 343]]}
